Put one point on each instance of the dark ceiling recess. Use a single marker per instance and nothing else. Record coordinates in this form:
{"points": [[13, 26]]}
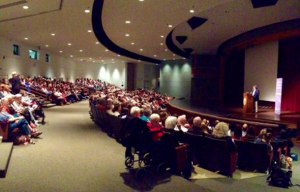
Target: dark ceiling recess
{"points": [[104, 39], [181, 39], [263, 3], [171, 45], [188, 50], [195, 22]]}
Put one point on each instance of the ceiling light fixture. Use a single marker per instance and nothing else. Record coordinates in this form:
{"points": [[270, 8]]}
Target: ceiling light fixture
{"points": [[166, 49], [127, 35], [119, 55], [90, 58], [192, 11], [87, 10], [47, 45], [89, 31], [53, 34], [106, 50], [71, 55], [161, 44], [25, 7], [97, 42], [69, 44], [155, 55], [132, 43], [60, 51], [141, 49], [127, 22], [170, 26], [26, 38], [93, 61], [80, 50], [81, 60], [141, 0], [162, 36]]}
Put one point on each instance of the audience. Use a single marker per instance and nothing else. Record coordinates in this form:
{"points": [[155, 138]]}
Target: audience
{"points": [[197, 128], [221, 132]]}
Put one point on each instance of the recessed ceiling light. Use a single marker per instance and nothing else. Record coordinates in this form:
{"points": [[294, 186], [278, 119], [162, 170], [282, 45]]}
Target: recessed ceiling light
{"points": [[141, 49], [26, 38], [89, 31], [132, 43], [183, 58], [80, 50], [93, 61], [53, 34], [155, 55], [97, 42], [87, 10], [161, 44], [81, 59], [71, 55], [127, 22], [47, 45], [127, 35], [25, 7], [113, 62], [192, 11], [69, 44], [141, 0], [139, 60], [164, 59], [170, 26], [90, 58], [60, 51], [166, 49], [174, 55], [162, 36], [156, 63], [106, 50], [119, 55], [102, 60], [112, 59]]}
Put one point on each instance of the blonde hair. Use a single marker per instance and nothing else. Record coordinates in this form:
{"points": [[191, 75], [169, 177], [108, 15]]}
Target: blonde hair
{"points": [[221, 130], [170, 122]]}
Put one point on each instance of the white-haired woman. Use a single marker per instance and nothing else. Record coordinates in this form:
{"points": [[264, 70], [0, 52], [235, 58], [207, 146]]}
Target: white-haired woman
{"points": [[221, 132], [155, 125], [176, 136]]}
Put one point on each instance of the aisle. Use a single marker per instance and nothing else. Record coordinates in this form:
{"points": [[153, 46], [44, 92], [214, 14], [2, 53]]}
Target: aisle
{"points": [[73, 154]]}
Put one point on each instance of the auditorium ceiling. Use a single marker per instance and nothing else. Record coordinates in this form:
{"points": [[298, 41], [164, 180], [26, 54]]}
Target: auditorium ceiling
{"points": [[64, 28]]}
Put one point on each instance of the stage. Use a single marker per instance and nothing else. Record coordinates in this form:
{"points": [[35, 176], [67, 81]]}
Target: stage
{"points": [[264, 115]]}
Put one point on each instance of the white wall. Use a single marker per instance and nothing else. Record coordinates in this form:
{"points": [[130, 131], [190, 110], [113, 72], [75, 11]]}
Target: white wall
{"points": [[261, 65], [175, 78], [58, 66]]}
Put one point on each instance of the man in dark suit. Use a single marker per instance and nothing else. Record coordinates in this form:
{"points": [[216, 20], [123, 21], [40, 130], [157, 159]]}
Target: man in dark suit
{"points": [[255, 94], [15, 84], [196, 128]]}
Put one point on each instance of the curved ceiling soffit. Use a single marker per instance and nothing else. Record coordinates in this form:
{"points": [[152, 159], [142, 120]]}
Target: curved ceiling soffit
{"points": [[105, 40], [194, 23], [291, 27]]}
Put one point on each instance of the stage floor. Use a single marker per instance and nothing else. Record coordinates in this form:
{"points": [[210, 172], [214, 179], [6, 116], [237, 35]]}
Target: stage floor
{"points": [[264, 115]]}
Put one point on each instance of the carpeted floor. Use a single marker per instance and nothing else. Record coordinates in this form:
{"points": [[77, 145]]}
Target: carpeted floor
{"points": [[73, 154]]}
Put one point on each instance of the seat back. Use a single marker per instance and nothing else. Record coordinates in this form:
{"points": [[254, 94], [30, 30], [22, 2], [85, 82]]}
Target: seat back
{"points": [[258, 157], [217, 155], [242, 150]]}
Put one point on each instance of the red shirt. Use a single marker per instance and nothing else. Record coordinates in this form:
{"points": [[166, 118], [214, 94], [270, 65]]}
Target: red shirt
{"points": [[155, 136]]}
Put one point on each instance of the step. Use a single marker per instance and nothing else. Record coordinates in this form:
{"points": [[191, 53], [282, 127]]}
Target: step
{"points": [[5, 154]]}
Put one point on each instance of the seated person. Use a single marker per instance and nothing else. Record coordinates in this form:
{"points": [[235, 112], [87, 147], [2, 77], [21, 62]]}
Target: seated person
{"points": [[237, 135], [146, 115], [176, 136], [221, 132], [163, 116], [244, 130], [196, 128], [154, 125], [250, 136], [266, 139], [17, 123], [182, 124], [136, 131]]}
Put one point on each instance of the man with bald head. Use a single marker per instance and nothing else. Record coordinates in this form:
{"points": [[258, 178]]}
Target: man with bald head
{"points": [[196, 128]]}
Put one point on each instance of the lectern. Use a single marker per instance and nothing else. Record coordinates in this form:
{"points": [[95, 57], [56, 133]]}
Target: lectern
{"points": [[248, 103]]}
